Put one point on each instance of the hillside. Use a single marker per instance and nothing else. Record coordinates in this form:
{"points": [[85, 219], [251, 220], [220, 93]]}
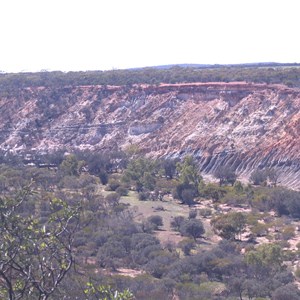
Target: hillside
{"points": [[244, 125]]}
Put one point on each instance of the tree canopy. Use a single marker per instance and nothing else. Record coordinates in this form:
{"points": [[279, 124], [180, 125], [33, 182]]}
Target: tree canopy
{"points": [[35, 256], [288, 74]]}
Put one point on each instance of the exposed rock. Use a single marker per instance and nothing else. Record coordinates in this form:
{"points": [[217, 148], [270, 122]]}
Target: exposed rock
{"points": [[238, 124], [138, 128]]}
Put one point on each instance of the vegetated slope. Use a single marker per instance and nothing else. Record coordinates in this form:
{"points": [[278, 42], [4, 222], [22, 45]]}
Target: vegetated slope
{"points": [[243, 125]]}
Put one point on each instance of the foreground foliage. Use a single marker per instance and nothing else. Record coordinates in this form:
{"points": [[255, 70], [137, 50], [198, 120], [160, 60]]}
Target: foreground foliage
{"points": [[106, 293], [35, 256], [64, 229]]}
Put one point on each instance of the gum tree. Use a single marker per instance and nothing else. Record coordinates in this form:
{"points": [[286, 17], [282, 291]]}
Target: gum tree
{"points": [[34, 256]]}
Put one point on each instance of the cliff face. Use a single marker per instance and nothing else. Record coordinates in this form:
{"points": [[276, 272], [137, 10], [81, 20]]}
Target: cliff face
{"points": [[239, 124]]}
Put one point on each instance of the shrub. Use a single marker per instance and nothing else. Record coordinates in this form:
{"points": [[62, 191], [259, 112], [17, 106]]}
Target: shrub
{"points": [[238, 187], [186, 193], [261, 202], [192, 228], [285, 292], [122, 191], [258, 177], [113, 184], [225, 175], [260, 229], [186, 246], [160, 264], [159, 208], [144, 196], [156, 220], [192, 214], [285, 202], [103, 177], [113, 199], [205, 212], [176, 222], [147, 227], [192, 291], [187, 196], [288, 232], [214, 192]]}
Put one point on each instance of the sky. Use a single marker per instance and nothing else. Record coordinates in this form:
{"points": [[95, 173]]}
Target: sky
{"points": [[73, 35]]}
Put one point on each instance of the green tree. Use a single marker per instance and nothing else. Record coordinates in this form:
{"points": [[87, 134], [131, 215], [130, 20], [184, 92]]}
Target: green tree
{"points": [[142, 171], [265, 255], [189, 180], [71, 166], [229, 226], [285, 202], [187, 196], [169, 166], [188, 172], [34, 256], [192, 228], [225, 175], [213, 191]]}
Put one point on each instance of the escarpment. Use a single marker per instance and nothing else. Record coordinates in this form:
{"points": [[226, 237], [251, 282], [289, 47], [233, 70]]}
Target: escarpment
{"points": [[242, 125]]}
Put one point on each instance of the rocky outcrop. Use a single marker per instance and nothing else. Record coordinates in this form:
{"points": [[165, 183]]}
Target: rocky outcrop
{"points": [[138, 128], [243, 125]]}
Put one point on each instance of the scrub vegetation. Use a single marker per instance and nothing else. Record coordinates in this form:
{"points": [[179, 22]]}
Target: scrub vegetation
{"points": [[117, 225], [288, 74]]}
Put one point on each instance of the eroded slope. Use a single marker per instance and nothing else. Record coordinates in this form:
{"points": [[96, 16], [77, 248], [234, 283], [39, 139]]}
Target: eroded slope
{"points": [[240, 124]]}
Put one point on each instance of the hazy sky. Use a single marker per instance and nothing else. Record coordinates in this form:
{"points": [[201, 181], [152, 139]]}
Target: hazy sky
{"points": [[106, 34]]}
